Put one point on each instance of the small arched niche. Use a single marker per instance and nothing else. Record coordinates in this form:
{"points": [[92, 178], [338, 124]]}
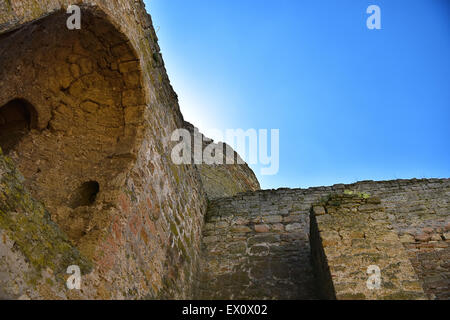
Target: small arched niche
{"points": [[85, 194], [17, 118]]}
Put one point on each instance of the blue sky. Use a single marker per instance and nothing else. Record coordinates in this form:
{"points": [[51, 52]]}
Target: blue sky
{"points": [[351, 103]]}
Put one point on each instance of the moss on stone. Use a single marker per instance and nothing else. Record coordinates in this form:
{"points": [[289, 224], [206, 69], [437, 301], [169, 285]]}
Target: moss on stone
{"points": [[182, 248], [402, 295], [362, 195], [28, 224], [351, 296], [8, 5], [173, 228]]}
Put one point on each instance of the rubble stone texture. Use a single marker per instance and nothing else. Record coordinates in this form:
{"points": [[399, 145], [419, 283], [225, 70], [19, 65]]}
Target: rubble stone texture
{"points": [[96, 114], [228, 177], [86, 178], [349, 234], [260, 245], [86, 116]]}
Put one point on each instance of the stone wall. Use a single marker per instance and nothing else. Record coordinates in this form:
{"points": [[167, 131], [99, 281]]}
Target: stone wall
{"points": [[228, 177], [87, 117], [357, 252], [91, 113], [256, 245], [34, 252]]}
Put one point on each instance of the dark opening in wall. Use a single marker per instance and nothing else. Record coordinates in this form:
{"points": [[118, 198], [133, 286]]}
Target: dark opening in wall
{"points": [[17, 117], [85, 194]]}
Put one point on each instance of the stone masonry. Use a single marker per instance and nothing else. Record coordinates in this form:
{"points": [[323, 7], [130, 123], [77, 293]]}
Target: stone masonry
{"points": [[350, 234], [258, 245], [226, 178], [86, 179], [97, 111], [86, 117]]}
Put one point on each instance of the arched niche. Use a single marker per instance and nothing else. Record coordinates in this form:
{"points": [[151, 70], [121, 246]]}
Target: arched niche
{"points": [[85, 108], [17, 117]]}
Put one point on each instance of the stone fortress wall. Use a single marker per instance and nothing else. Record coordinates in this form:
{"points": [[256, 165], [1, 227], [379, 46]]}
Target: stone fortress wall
{"points": [[258, 245], [221, 180], [93, 145], [86, 117], [86, 179]]}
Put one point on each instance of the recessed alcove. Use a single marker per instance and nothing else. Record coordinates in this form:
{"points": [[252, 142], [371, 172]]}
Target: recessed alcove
{"points": [[85, 194], [17, 117], [73, 132]]}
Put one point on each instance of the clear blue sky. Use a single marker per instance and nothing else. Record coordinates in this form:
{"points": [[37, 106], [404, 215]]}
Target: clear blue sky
{"points": [[351, 103]]}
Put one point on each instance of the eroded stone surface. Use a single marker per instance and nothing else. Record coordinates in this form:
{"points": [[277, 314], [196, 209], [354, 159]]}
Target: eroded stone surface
{"points": [[244, 235], [102, 113], [355, 237], [34, 252], [87, 116], [227, 178]]}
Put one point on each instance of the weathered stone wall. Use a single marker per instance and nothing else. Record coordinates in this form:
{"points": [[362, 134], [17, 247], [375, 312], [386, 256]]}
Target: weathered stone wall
{"points": [[34, 253], [352, 239], [419, 211], [227, 178], [421, 218], [274, 224], [92, 140], [256, 247], [87, 116]]}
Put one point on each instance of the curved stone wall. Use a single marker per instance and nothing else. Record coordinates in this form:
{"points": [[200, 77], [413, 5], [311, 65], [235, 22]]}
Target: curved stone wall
{"points": [[227, 178], [98, 154]]}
